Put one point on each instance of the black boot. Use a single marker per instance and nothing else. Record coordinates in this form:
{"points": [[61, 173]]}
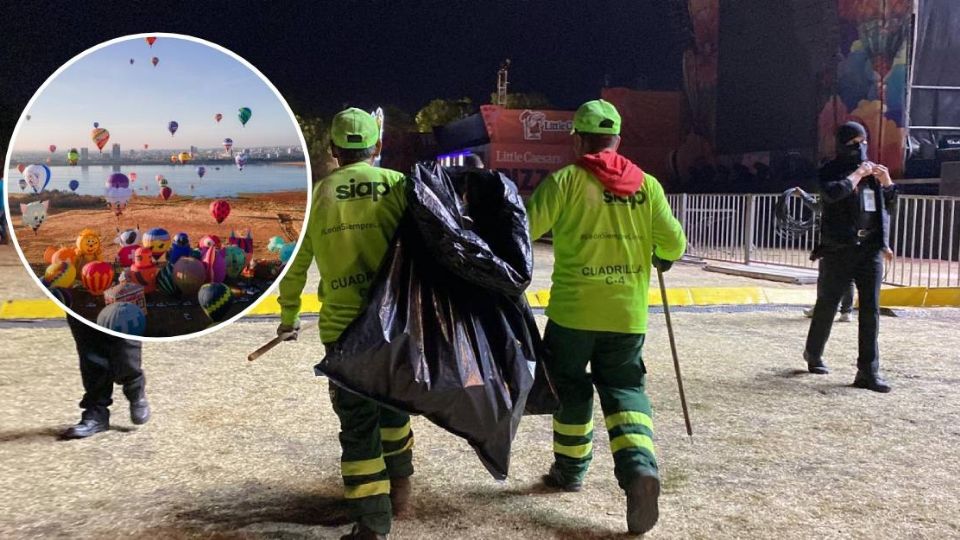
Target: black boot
{"points": [[871, 382], [555, 479], [817, 366], [139, 411], [139, 407], [360, 532], [642, 507], [90, 424]]}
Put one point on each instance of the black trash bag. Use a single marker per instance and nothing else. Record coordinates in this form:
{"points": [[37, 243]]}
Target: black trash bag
{"points": [[447, 332]]}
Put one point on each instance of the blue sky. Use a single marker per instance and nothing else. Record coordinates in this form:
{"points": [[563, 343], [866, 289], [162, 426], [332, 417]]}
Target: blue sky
{"points": [[190, 84]]}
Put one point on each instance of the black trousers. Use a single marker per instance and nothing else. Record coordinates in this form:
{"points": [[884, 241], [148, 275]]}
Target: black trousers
{"points": [[863, 265], [105, 360], [846, 303]]}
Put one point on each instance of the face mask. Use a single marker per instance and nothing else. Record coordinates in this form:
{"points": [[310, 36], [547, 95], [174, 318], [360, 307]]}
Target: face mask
{"points": [[853, 152]]}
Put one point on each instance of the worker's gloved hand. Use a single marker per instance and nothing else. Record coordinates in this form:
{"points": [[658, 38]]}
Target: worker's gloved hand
{"points": [[291, 331], [661, 264]]}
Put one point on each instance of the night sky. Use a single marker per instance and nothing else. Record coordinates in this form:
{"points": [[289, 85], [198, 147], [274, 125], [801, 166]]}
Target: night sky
{"points": [[324, 55]]}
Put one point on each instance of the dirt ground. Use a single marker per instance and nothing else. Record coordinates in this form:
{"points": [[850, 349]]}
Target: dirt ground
{"points": [[255, 212], [249, 450]]}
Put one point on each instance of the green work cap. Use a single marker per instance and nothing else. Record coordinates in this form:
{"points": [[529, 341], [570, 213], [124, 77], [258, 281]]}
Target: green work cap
{"points": [[354, 129], [597, 116]]}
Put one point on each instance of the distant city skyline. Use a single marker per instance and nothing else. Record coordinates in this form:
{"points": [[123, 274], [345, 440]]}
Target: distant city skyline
{"points": [[135, 102]]}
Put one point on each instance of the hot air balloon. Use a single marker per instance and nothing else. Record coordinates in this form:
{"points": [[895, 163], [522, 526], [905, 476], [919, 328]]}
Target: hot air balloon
{"points": [[74, 185], [227, 144], [159, 178], [244, 115], [96, 277], [21, 167], [218, 117], [184, 157], [53, 148], [131, 61], [157, 240], [216, 300], [118, 192], [37, 176], [150, 40], [219, 209], [144, 269], [172, 127], [189, 275], [59, 274], [155, 61], [236, 260], [179, 248], [96, 125], [100, 137], [146, 146], [124, 317], [133, 177], [241, 160], [201, 170], [165, 193], [23, 184], [73, 156], [28, 118]]}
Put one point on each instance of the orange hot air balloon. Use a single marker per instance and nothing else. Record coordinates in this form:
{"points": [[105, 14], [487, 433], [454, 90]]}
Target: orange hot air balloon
{"points": [[48, 254], [65, 254], [97, 276], [150, 40], [100, 137]]}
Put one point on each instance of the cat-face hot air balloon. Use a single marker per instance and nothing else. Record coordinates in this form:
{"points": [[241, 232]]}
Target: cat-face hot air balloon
{"points": [[227, 144], [118, 192], [166, 193], [154, 61], [53, 148], [241, 160], [73, 156], [34, 213], [219, 209], [37, 176], [150, 40], [244, 115], [218, 117], [100, 136], [201, 170], [172, 127]]}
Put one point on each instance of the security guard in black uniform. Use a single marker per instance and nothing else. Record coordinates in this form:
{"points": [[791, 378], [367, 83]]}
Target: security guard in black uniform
{"points": [[857, 196], [105, 360]]}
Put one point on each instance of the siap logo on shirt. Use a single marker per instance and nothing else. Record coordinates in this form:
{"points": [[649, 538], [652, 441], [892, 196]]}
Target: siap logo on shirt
{"points": [[632, 201], [362, 190]]}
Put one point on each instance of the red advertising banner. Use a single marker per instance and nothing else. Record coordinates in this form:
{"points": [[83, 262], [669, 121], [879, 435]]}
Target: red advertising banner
{"points": [[527, 125], [529, 164]]}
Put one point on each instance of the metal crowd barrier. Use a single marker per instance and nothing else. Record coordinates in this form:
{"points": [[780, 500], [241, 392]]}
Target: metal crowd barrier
{"points": [[742, 228]]}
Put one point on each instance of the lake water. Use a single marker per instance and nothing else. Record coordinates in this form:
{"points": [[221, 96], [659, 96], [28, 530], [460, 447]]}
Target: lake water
{"points": [[183, 179]]}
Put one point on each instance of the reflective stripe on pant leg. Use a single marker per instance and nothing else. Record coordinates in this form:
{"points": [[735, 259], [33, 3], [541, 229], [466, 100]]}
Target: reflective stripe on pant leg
{"points": [[619, 374], [567, 353], [366, 485], [397, 439]]}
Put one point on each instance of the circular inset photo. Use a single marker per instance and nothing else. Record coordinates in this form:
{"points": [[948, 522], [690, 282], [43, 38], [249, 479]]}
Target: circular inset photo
{"points": [[157, 186]]}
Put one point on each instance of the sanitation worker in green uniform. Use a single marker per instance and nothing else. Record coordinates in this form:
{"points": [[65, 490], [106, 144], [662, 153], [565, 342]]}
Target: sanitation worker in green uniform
{"points": [[610, 223], [354, 214]]}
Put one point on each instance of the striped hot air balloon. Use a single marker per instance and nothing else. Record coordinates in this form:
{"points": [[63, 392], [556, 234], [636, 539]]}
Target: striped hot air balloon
{"points": [[100, 136], [96, 277]]}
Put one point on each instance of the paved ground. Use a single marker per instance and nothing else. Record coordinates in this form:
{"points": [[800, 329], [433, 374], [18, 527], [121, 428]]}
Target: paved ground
{"points": [[248, 450]]}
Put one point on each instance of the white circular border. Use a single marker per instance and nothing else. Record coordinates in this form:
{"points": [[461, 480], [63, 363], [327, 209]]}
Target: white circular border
{"points": [[286, 107]]}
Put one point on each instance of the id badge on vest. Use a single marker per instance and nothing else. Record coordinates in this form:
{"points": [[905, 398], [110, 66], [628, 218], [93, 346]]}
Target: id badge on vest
{"points": [[869, 199]]}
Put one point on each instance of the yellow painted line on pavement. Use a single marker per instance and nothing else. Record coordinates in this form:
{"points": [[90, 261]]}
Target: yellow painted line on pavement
{"points": [[41, 308]]}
